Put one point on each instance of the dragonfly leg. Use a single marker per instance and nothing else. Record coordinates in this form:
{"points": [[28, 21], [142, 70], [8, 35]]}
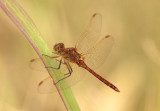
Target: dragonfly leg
{"points": [[58, 65], [61, 61], [50, 56], [33, 60], [68, 74], [69, 69], [45, 55]]}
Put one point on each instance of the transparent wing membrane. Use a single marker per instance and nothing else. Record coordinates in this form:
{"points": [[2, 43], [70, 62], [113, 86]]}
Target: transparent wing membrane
{"points": [[36, 64], [96, 56], [90, 35], [47, 86]]}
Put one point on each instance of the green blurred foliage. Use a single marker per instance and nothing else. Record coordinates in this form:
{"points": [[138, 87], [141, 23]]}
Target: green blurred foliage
{"points": [[133, 65]]}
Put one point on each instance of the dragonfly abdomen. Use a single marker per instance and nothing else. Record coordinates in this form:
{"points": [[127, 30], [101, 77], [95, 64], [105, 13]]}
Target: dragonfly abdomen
{"points": [[102, 79]]}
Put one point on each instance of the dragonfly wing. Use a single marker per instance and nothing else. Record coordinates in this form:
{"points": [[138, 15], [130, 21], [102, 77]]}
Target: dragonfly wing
{"points": [[90, 35], [46, 86], [96, 55], [37, 64], [77, 75]]}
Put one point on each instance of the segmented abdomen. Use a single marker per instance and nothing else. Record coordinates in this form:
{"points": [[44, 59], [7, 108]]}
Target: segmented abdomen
{"points": [[99, 77]]}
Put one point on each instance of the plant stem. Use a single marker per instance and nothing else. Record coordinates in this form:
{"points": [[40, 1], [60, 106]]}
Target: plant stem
{"points": [[21, 19]]}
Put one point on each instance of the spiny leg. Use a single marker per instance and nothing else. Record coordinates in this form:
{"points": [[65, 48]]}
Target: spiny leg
{"points": [[50, 56], [60, 62], [69, 67], [70, 72], [33, 60]]}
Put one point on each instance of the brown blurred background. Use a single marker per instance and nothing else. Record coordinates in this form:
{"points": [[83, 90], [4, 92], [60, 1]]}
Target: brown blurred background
{"points": [[133, 64]]}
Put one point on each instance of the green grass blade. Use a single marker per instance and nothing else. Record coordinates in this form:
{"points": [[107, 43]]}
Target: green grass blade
{"points": [[20, 18]]}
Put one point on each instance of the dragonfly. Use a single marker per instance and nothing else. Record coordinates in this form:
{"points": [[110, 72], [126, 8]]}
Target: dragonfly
{"points": [[87, 54]]}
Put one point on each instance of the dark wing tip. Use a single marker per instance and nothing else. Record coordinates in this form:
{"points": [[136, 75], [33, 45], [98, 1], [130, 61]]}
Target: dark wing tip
{"points": [[94, 14], [32, 60], [40, 83], [107, 36]]}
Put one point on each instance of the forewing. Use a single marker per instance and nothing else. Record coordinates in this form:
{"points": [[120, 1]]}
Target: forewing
{"points": [[97, 55], [90, 35], [36, 65]]}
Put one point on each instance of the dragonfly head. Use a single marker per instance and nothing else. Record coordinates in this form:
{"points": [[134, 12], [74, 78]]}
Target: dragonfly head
{"points": [[58, 48]]}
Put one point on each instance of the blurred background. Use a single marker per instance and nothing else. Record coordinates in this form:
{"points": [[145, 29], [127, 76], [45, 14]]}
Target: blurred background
{"points": [[133, 64]]}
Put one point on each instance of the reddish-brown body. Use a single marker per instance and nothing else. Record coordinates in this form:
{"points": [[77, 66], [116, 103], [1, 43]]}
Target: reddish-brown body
{"points": [[71, 55]]}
